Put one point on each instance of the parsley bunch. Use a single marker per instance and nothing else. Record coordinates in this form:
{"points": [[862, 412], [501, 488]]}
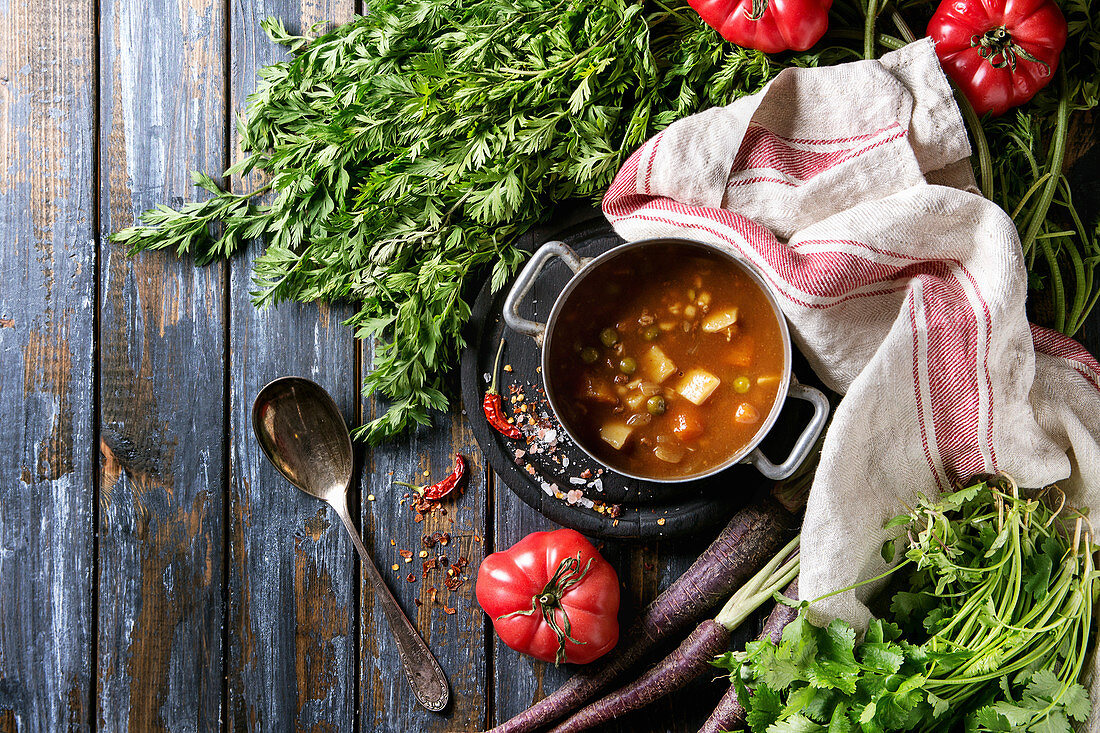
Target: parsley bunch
{"points": [[406, 150], [989, 631]]}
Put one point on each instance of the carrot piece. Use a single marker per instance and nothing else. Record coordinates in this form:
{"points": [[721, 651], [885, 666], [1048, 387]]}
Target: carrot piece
{"points": [[686, 425], [688, 661], [746, 413], [741, 352]]}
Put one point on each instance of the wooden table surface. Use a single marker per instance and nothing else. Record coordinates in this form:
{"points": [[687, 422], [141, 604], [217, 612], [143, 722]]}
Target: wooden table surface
{"points": [[155, 572]]}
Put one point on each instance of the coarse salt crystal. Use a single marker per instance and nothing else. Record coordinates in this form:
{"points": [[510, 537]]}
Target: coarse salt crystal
{"points": [[574, 496], [575, 480], [565, 461], [597, 484]]}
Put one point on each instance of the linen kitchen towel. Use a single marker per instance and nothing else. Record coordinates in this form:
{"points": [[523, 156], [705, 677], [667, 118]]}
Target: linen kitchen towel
{"points": [[849, 188]]}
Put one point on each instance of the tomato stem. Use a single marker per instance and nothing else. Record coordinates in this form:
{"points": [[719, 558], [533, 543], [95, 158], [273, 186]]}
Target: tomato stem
{"points": [[567, 575], [998, 42], [757, 10]]}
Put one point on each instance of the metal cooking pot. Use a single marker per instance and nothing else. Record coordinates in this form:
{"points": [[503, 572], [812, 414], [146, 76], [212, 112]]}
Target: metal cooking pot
{"points": [[543, 334]]}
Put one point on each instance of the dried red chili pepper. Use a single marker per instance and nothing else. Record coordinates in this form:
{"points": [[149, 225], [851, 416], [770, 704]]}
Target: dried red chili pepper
{"points": [[493, 404], [439, 489]]}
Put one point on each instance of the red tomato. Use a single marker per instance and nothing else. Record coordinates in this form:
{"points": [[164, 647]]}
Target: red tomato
{"points": [[686, 425], [552, 595], [768, 25], [999, 52]]}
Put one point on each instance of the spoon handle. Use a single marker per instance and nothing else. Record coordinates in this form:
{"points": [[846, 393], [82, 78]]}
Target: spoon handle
{"points": [[425, 676]]}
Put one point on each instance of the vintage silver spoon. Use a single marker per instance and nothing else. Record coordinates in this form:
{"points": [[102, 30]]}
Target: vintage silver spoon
{"points": [[302, 433]]}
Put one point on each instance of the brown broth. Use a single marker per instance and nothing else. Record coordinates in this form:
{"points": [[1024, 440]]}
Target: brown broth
{"points": [[647, 295]]}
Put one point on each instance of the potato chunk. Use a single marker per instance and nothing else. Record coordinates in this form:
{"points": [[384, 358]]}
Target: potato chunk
{"points": [[655, 365], [615, 434], [697, 385], [720, 320]]}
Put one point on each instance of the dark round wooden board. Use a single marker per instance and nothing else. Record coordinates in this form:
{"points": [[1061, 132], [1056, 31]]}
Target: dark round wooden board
{"points": [[646, 509]]}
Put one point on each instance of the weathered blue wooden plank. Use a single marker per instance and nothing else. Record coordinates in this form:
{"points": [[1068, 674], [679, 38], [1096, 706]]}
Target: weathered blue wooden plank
{"points": [[47, 297], [291, 658], [449, 619], [162, 362]]}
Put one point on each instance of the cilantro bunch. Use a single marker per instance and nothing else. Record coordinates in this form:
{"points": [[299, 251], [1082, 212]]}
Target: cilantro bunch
{"points": [[988, 629]]}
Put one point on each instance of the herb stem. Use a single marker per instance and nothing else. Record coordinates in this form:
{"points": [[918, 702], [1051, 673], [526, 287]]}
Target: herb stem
{"points": [[1038, 216], [869, 29]]}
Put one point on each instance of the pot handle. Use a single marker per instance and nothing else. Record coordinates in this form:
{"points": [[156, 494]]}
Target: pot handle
{"points": [[805, 442], [526, 279]]}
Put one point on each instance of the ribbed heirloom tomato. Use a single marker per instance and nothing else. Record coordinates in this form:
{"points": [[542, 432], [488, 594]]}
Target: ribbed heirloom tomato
{"points": [[999, 52], [552, 595]]}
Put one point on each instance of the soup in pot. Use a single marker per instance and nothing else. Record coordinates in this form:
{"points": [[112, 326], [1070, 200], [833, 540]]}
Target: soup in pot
{"points": [[666, 361]]}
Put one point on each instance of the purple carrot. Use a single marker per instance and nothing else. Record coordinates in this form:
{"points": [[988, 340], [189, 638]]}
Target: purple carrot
{"points": [[750, 539], [687, 662], [730, 713], [694, 655]]}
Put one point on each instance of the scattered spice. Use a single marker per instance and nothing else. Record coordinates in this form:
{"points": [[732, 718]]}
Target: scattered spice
{"points": [[434, 492], [411, 577]]}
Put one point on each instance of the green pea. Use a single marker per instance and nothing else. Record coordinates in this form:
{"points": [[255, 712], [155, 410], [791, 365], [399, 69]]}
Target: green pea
{"points": [[656, 405], [741, 384], [650, 333], [589, 355], [609, 337], [628, 366]]}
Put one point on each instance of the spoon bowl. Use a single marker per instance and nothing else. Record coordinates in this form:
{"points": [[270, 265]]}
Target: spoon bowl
{"points": [[301, 431]]}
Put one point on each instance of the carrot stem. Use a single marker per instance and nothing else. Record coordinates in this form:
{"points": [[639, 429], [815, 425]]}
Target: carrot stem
{"points": [[780, 570]]}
